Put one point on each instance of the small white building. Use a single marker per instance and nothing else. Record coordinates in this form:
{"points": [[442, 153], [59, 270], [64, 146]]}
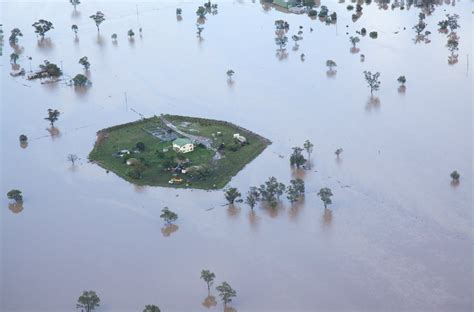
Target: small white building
{"points": [[183, 145], [240, 138]]}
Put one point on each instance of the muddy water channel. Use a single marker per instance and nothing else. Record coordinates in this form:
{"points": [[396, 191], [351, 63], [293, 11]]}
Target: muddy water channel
{"points": [[398, 236]]}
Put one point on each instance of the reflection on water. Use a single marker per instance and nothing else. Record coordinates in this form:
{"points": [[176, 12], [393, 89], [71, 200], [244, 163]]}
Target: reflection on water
{"points": [[45, 44], [327, 217], [169, 229], [24, 144], [373, 103], [54, 132], [209, 302], [233, 211], [16, 207], [254, 220], [402, 89]]}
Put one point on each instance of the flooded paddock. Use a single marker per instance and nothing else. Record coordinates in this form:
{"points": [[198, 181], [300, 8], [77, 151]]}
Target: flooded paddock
{"points": [[398, 236]]}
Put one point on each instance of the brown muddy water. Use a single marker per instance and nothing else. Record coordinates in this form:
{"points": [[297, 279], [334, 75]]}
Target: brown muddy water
{"points": [[398, 236]]}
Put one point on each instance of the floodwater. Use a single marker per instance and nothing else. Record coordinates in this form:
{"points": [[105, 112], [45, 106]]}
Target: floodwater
{"points": [[398, 236]]}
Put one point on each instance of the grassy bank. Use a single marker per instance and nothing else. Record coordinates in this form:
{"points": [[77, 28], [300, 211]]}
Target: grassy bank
{"points": [[153, 164]]}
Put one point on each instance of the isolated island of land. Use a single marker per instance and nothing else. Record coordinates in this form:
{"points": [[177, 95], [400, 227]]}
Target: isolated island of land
{"points": [[177, 151]]}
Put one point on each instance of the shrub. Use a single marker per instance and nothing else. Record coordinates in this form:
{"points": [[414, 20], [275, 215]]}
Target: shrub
{"points": [[373, 34], [140, 146]]}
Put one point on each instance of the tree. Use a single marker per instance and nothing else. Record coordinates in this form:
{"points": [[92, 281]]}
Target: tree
{"points": [[140, 146], [130, 33], [308, 146], [42, 27], [151, 308], [14, 57], [80, 80], [230, 73], [226, 292], [114, 37], [231, 194], [455, 176], [208, 277], [330, 64], [72, 158], [201, 12], [84, 61], [297, 159], [53, 115], [199, 30], [354, 40], [75, 29], [281, 42], [271, 191], [372, 80], [88, 301], [295, 190], [325, 194], [168, 216], [15, 195], [23, 138], [16, 32], [338, 152], [98, 18], [253, 196], [75, 3], [402, 80], [179, 11]]}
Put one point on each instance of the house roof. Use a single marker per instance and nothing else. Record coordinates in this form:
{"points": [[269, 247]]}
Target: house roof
{"points": [[182, 142]]}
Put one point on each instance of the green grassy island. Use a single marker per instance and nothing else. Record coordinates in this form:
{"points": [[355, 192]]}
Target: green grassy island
{"points": [[177, 151]]}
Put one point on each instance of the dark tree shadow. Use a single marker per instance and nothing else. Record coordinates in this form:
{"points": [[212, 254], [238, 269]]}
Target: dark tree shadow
{"points": [[16, 207], [17, 48], [169, 229], [201, 21], [209, 302]]}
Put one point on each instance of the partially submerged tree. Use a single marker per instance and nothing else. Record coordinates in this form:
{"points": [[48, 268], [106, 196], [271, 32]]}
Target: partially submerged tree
{"points": [[354, 40], [372, 80], [98, 18], [226, 292], [80, 80], [49, 69], [201, 12], [230, 73], [53, 115], [271, 191], [151, 308], [179, 11], [208, 277], [75, 29], [14, 57], [168, 216], [402, 80], [455, 176], [75, 3], [199, 30], [331, 64], [42, 27], [88, 301], [23, 138], [231, 194], [295, 190], [114, 37], [130, 33], [15, 195], [72, 158], [84, 61], [296, 38], [16, 32], [308, 146], [281, 42], [325, 194], [297, 159], [338, 152]]}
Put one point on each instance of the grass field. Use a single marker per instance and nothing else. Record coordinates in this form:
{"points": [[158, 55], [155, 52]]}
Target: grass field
{"points": [[153, 164]]}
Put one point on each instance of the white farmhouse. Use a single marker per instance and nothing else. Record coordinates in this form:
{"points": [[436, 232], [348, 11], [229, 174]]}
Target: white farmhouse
{"points": [[183, 145]]}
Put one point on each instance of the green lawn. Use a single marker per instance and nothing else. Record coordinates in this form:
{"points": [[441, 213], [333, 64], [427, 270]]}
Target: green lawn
{"points": [[153, 162]]}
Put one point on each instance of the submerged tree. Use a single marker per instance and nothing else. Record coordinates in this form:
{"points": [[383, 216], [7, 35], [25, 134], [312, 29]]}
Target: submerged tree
{"points": [[98, 18], [252, 197], [168, 216], [75, 29], [297, 159], [53, 116], [201, 12], [42, 27], [151, 308], [354, 40], [88, 301], [208, 277], [331, 64], [226, 292], [16, 32], [325, 194], [402, 80], [281, 42], [230, 73], [130, 33], [271, 191], [84, 61], [372, 80], [50, 69], [72, 158], [15, 195], [455, 176], [114, 37], [308, 146], [75, 3], [80, 80], [231, 194], [179, 11], [338, 152], [295, 190], [14, 57], [199, 30]]}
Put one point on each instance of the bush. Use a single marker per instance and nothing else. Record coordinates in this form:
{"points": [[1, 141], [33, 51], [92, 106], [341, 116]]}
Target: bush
{"points": [[140, 146], [233, 148], [350, 7], [312, 13], [363, 31], [373, 35], [23, 138]]}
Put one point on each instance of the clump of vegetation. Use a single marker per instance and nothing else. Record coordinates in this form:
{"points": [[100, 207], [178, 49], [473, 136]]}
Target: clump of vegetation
{"points": [[354, 40], [15, 195], [325, 194], [168, 216], [455, 176], [72, 158], [295, 190], [75, 3], [373, 35], [199, 30], [80, 80], [114, 37], [350, 7], [47, 70], [179, 11], [88, 301], [253, 196], [151, 308], [42, 27], [230, 73]]}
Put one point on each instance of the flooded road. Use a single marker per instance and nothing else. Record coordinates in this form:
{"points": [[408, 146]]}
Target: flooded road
{"points": [[398, 236]]}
